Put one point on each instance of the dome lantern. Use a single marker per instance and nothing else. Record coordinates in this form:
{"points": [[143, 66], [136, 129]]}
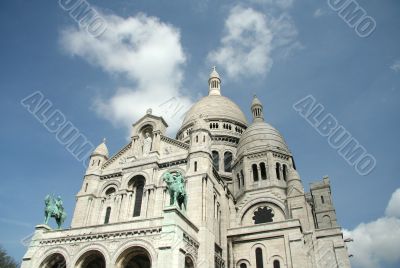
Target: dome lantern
{"points": [[257, 110], [214, 83]]}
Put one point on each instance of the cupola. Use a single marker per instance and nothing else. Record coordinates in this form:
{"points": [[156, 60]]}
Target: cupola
{"points": [[214, 83]]}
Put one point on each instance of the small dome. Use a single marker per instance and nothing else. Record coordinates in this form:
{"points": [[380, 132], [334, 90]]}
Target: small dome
{"points": [[215, 107], [256, 101], [214, 73], [261, 135], [101, 149]]}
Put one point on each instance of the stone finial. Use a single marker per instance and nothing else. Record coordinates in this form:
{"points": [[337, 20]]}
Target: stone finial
{"points": [[149, 111]]}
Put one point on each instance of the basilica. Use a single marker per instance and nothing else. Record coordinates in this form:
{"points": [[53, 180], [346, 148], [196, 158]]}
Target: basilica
{"points": [[242, 202]]}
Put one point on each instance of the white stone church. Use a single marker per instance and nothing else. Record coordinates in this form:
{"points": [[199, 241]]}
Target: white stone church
{"points": [[246, 204]]}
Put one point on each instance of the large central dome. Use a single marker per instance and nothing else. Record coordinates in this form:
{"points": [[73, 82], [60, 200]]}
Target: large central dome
{"points": [[222, 113], [215, 107]]}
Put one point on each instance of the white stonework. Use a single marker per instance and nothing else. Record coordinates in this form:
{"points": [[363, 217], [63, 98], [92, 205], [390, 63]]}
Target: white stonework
{"points": [[246, 202]]}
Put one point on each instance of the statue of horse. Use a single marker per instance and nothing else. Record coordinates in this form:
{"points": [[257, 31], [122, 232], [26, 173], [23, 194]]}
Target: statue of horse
{"points": [[176, 187], [54, 209]]}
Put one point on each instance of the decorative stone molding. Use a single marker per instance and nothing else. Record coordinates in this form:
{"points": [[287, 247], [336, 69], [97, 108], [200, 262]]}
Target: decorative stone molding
{"points": [[112, 175], [191, 245], [175, 142], [281, 156], [117, 155], [100, 236], [257, 155]]}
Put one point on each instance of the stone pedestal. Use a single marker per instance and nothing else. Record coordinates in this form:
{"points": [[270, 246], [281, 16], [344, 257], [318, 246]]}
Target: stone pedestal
{"points": [[31, 241], [173, 245]]}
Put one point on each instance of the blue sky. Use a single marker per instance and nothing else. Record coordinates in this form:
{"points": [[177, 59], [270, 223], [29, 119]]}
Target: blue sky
{"points": [[281, 50]]}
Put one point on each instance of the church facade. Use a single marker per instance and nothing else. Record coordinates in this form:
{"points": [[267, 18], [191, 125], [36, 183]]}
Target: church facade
{"points": [[246, 204]]}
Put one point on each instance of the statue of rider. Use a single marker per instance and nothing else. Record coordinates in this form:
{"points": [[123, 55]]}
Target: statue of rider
{"points": [[59, 204]]}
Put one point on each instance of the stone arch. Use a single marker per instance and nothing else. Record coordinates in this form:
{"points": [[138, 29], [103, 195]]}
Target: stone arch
{"points": [[110, 190], [243, 261], [91, 259], [258, 201], [216, 158], [113, 183], [258, 245], [146, 127], [277, 258], [53, 255], [134, 257], [125, 248], [136, 184], [127, 180], [87, 251], [263, 252], [189, 261], [228, 160], [134, 180], [326, 219]]}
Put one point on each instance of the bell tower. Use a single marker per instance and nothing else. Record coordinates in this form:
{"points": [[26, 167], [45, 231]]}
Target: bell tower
{"points": [[97, 158]]}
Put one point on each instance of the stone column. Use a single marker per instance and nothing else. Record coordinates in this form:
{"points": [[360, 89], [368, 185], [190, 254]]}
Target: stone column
{"points": [[87, 211]]}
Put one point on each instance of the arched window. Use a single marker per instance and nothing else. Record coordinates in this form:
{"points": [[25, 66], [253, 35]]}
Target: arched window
{"points": [[278, 171], [284, 172], [215, 156], [238, 179], [259, 258], [197, 138], [204, 138], [98, 163], [326, 220], [188, 262], [255, 172], [263, 171], [86, 186], [277, 264], [242, 177], [108, 213], [322, 200], [243, 265], [195, 166], [138, 199], [228, 162], [137, 185], [110, 191]]}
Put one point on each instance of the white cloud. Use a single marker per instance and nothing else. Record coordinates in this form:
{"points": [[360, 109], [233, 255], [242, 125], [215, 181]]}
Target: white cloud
{"points": [[318, 13], [377, 243], [393, 208], [279, 3], [396, 66], [249, 39], [146, 51]]}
